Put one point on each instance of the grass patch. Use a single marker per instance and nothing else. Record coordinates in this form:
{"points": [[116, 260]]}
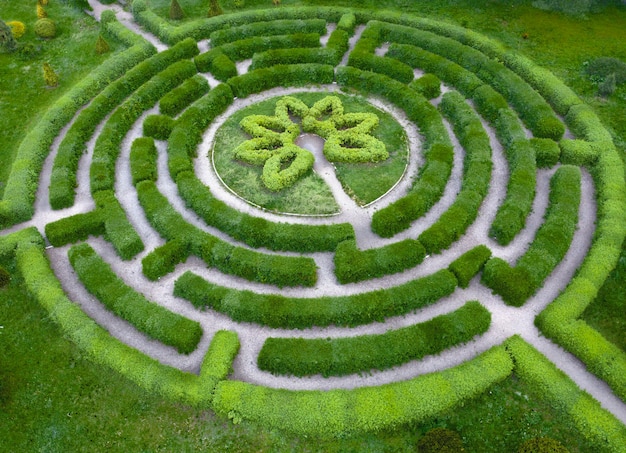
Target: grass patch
{"points": [[24, 96], [364, 182]]}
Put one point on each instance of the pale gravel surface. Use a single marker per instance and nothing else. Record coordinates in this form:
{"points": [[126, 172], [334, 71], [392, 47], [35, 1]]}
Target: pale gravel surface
{"points": [[506, 321]]}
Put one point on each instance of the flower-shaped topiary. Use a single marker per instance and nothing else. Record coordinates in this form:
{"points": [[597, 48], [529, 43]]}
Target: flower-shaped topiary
{"points": [[273, 139]]}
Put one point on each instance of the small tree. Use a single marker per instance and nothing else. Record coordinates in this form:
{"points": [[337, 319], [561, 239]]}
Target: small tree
{"points": [[102, 46], [43, 2], [607, 87], [214, 8], [239, 3], [17, 28], [7, 41], [50, 77], [41, 11], [276, 2], [176, 12]]}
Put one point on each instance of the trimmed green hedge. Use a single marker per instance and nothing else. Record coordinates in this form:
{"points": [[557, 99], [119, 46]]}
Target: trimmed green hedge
{"points": [[449, 72], [427, 190], [180, 97], [600, 428], [354, 265], [348, 355], [363, 57], [146, 316], [107, 148], [279, 311], [283, 75], [17, 204], [428, 85], [529, 104], [582, 153], [190, 125], [217, 63], [246, 48], [270, 28], [511, 216], [553, 239], [466, 266], [143, 160], [27, 247], [249, 264], [274, 57], [107, 219], [453, 223], [365, 409], [257, 231], [430, 184]]}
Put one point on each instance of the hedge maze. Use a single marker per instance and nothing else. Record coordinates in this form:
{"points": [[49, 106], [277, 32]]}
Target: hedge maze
{"points": [[512, 169]]}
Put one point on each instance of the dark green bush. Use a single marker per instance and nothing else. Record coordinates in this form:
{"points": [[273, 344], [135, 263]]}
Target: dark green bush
{"points": [[158, 126], [433, 177], [532, 108], [287, 312], [107, 148], [520, 192], [218, 64], [281, 75], [551, 242], [148, 317], [361, 59], [108, 220], [353, 265], [581, 152], [601, 68], [427, 85], [5, 277], [45, 28], [246, 48], [256, 231], [348, 355], [466, 266], [77, 227], [347, 23], [276, 27], [440, 440], [489, 102], [453, 223], [180, 97], [585, 124], [162, 260], [365, 409], [449, 72], [143, 160], [249, 264], [117, 229], [542, 445]]}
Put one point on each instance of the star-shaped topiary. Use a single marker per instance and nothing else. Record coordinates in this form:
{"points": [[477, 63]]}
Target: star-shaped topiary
{"points": [[348, 139]]}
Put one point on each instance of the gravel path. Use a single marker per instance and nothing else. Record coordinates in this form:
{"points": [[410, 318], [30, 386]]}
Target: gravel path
{"points": [[506, 321]]}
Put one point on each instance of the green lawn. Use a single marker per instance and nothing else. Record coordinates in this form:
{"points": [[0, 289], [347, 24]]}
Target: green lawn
{"points": [[54, 399]]}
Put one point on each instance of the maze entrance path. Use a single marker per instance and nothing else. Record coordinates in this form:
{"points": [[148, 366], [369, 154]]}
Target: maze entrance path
{"points": [[180, 254]]}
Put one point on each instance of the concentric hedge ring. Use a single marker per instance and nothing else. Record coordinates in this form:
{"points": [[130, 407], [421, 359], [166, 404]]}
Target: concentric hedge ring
{"points": [[403, 274]]}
